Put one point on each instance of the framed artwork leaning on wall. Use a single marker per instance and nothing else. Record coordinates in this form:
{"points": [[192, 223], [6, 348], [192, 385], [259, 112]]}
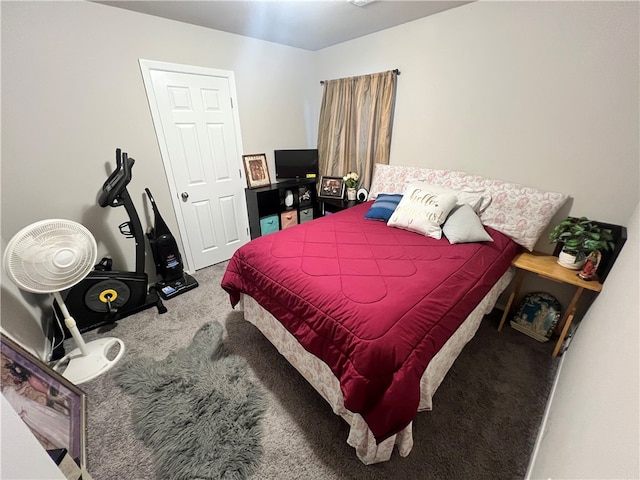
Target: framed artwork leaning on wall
{"points": [[257, 170], [53, 408]]}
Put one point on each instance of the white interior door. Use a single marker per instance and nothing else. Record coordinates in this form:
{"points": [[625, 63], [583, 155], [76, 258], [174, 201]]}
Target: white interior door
{"points": [[199, 136]]}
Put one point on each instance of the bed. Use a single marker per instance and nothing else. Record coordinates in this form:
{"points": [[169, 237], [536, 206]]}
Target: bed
{"points": [[373, 304]]}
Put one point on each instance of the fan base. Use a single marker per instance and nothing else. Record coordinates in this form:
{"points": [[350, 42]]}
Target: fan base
{"points": [[82, 368]]}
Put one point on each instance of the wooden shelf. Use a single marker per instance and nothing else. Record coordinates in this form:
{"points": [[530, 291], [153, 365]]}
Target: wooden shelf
{"points": [[265, 205], [547, 266]]}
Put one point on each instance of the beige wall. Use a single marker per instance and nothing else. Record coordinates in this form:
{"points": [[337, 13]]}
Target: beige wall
{"points": [[540, 93], [72, 92], [593, 422]]}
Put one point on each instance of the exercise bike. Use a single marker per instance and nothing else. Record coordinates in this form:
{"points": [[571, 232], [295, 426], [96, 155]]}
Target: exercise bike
{"points": [[105, 296]]}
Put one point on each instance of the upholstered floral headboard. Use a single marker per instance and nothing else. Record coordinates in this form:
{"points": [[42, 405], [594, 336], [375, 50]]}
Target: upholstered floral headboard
{"points": [[520, 212]]}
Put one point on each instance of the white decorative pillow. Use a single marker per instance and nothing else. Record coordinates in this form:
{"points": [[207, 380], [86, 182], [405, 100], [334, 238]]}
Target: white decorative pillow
{"points": [[464, 226], [478, 199], [422, 211]]}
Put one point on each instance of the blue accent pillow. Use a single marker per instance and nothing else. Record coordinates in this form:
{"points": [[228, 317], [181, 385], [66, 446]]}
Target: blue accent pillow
{"points": [[383, 207]]}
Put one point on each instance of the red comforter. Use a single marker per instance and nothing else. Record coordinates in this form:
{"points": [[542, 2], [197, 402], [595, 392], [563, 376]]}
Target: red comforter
{"points": [[375, 303]]}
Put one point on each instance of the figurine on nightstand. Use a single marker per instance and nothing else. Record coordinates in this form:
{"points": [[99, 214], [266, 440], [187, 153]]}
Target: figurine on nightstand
{"points": [[588, 272]]}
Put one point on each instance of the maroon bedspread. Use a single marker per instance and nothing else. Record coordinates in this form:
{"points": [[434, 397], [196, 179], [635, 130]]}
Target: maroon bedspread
{"points": [[375, 303]]}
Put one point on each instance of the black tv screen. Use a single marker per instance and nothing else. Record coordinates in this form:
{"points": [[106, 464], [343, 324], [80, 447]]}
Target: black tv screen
{"points": [[296, 163]]}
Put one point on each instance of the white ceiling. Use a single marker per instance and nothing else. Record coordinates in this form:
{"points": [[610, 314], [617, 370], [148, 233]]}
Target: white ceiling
{"points": [[307, 24]]}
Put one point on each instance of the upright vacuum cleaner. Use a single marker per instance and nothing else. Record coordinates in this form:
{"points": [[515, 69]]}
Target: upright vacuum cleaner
{"points": [[168, 260]]}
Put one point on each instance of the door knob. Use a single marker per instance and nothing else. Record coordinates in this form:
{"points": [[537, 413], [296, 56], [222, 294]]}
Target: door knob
{"points": [[184, 196]]}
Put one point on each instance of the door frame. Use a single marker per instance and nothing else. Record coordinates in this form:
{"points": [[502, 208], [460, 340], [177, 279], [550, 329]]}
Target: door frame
{"points": [[145, 67]]}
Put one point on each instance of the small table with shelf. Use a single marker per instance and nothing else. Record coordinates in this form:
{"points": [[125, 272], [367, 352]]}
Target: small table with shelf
{"points": [[546, 266]]}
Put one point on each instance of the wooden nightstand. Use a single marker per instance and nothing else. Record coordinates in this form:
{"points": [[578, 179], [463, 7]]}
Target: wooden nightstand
{"points": [[546, 266]]}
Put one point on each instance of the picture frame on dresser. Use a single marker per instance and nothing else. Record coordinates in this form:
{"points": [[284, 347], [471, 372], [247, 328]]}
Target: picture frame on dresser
{"points": [[51, 406], [331, 187], [256, 170]]}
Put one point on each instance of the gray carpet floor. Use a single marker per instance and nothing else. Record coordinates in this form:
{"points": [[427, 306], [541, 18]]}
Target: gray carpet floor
{"points": [[484, 424]]}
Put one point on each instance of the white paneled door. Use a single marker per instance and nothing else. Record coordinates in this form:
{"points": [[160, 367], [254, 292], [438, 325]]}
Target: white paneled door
{"points": [[199, 136]]}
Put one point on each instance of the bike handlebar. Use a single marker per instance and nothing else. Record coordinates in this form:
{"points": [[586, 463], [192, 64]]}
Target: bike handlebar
{"points": [[117, 182]]}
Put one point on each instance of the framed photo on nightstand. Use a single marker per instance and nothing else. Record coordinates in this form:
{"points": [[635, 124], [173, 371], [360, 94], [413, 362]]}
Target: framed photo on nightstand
{"points": [[331, 187]]}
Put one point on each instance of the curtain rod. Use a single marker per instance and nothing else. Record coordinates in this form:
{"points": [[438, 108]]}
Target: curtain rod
{"points": [[395, 70]]}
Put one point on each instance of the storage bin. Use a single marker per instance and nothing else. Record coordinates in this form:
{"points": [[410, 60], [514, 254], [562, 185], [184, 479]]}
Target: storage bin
{"points": [[306, 215], [289, 218], [269, 224]]}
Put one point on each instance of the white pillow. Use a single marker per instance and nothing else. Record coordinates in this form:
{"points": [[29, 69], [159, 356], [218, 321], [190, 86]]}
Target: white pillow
{"points": [[422, 210], [478, 199], [464, 226]]}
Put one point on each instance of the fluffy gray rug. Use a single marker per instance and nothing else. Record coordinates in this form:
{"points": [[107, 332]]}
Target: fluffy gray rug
{"points": [[198, 409]]}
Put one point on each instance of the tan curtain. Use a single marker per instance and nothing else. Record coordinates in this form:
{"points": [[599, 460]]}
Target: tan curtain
{"points": [[354, 130]]}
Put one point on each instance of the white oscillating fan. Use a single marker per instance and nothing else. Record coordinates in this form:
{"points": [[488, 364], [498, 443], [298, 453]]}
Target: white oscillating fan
{"points": [[48, 257]]}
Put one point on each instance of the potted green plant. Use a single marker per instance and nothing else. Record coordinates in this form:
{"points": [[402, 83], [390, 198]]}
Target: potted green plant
{"points": [[579, 237]]}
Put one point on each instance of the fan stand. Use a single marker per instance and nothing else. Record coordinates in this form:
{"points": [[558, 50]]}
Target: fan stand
{"points": [[89, 360]]}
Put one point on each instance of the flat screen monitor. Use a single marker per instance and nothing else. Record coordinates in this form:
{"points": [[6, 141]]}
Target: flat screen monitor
{"points": [[296, 164]]}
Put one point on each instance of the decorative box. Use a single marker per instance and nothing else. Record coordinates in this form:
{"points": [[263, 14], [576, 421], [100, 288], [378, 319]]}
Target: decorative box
{"points": [[306, 214], [289, 218], [269, 224]]}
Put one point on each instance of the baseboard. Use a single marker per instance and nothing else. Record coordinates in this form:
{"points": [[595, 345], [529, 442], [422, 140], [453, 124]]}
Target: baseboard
{"points": [[543, 425]]}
